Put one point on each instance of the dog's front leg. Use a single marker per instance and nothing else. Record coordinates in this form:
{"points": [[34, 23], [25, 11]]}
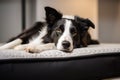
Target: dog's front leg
{"points": [[38, 48], [21, 47]]}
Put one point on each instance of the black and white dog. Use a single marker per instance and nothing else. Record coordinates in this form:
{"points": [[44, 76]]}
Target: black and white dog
{"points": [[58, 32]]}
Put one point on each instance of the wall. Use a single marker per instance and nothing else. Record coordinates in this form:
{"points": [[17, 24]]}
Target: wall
{"points": [[83, 8], [109, 21], [30, 12], [10, 19]]}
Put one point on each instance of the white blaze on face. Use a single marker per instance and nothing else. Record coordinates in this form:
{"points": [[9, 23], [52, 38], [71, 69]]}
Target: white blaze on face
{"points": [[66, 36], [68, 17]]}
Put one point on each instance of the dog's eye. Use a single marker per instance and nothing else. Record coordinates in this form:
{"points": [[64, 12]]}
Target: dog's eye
{"points": [[59, 31], [74, 34]]}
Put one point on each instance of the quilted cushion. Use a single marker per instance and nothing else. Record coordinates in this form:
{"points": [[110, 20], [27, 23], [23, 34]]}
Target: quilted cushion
{"points": [[86, 51], [95, 62]]}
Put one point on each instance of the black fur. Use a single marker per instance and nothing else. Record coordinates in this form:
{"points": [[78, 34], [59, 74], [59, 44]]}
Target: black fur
{"points": [[52, 16], [27, 34], [53, 20]]}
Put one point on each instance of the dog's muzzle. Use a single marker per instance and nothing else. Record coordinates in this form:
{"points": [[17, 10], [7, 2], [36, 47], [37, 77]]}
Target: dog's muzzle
{"points": [[66, 46]]}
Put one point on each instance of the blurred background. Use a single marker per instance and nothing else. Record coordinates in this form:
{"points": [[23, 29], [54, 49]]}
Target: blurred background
{"points": [[17, 15]]}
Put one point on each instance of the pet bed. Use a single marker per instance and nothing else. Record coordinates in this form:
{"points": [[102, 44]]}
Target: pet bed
{"points": [[94, 62]]}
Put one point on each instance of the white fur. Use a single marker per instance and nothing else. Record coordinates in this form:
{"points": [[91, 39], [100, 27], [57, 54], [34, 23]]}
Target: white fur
{"points": [[21, 47], [39, 39], [35, 42], [38, 48], [68, 17], [66, 36], [12, 44]]}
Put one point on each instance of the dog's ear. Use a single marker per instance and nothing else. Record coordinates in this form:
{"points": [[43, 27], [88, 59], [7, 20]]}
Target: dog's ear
{"points": [[84, 23], [52, 15], [90, 23]]}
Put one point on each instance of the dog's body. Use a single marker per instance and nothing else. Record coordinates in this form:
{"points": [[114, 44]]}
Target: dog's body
{"points": [[58, 32]]}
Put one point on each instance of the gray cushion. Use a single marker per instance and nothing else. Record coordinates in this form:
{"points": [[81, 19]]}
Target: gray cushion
{"points": [[90, 50]]}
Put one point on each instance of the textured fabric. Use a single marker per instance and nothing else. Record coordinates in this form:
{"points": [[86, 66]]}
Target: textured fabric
{"points": [[95, 62], [90, 50]]}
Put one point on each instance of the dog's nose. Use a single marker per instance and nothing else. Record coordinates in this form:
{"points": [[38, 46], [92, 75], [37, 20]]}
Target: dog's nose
{"points": [[66, 44]]}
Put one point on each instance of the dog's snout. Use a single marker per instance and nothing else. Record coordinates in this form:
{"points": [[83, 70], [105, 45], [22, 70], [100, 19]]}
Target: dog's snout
{"points": [[66, 44]]}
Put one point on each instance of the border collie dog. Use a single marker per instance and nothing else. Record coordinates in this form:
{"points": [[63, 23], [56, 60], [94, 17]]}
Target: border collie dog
{"points": [[58, 32]]}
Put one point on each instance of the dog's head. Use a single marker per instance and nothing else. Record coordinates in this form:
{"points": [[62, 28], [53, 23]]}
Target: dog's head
{"points": [[66, 31]]}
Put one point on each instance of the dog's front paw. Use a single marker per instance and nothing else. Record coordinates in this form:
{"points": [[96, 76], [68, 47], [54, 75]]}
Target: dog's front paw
{"points": [[32, 49]]}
